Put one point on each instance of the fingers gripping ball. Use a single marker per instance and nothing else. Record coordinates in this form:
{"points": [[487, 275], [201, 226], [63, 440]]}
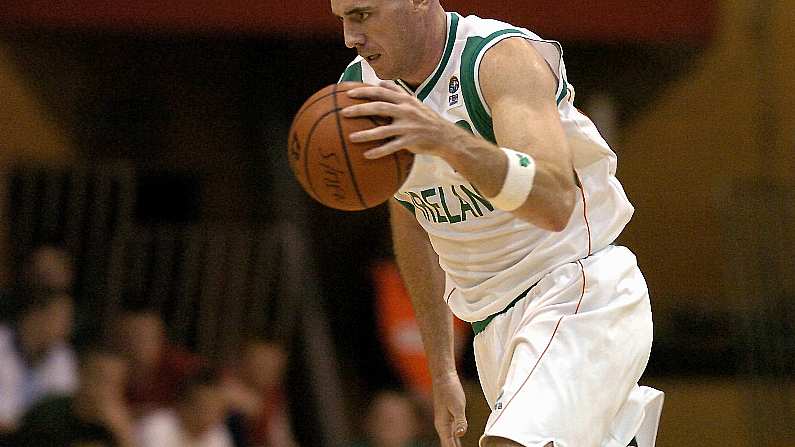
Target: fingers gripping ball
{"points": [[329, 166]]}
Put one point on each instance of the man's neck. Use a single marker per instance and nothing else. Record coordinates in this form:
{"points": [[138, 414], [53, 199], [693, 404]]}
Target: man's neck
{"points": [[434, 44]]}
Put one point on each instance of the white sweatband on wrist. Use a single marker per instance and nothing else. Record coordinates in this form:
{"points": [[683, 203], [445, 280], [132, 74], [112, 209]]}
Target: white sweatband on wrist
{"points": [[518, 181]]}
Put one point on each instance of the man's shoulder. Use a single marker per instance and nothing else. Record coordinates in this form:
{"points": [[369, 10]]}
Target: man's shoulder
{"points": [[475, 26], [60, 358]]}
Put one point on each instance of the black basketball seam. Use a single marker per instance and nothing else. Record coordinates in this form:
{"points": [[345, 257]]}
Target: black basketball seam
{"points": [[306, 151], [306, 107], [345, 150]]}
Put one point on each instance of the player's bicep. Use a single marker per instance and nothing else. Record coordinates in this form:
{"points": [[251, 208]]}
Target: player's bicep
{"points": [[519, 87]]}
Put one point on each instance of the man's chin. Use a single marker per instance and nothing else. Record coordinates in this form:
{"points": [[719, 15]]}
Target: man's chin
{"points": [[382, 71], [385, 75]]}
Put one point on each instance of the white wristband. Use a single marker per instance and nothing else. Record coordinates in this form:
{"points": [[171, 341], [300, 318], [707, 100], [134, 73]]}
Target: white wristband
{"points": [[518, 181]]}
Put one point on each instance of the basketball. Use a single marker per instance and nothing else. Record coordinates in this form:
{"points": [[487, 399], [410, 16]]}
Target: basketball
{"points": [[329, 166]]}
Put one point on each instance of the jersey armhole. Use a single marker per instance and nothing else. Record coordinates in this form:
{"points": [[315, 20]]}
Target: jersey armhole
{"points": [[550, 50], [476, 48]]}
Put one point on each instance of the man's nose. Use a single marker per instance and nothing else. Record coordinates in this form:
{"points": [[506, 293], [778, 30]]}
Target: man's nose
{"points": [[353, 37]]}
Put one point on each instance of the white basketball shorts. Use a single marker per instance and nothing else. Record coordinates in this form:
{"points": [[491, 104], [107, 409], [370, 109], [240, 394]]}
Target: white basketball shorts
{"points": [[562, 364]]}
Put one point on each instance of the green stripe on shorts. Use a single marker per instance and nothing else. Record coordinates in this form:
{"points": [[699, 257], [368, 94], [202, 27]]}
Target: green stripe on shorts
{"points": [[480, 326]]}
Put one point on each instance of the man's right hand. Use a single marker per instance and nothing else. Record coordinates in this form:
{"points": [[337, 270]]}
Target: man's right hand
{"points": [[449, 410]]}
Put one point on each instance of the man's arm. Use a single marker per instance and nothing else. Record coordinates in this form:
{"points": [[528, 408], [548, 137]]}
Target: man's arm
{"points": [[424, 279], [519, 88]]}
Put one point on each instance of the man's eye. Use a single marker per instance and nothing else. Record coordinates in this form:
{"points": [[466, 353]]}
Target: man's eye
{"points": [[363, 16]]}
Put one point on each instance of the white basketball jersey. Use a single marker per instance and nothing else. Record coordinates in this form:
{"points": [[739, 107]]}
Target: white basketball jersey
{"points": [[490, 256]]}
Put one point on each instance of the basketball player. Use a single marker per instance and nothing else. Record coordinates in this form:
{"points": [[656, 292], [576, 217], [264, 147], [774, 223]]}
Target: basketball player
{"points": [[513, 193]]}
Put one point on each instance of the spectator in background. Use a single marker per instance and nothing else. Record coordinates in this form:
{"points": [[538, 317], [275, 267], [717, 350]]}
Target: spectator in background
{"points": [[255, 389], [196, 420], [97, 415], [392, 420], [35, 357], [157, 366], [49, 268], [46, 268]]}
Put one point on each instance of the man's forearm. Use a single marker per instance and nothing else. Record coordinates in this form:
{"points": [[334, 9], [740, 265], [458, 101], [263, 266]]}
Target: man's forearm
{"points": [[424, 280], [435, 323]]}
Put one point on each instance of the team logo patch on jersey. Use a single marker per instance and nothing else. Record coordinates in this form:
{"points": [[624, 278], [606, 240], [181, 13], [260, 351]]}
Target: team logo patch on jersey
{"points": [[454, 100], [454, 85]]}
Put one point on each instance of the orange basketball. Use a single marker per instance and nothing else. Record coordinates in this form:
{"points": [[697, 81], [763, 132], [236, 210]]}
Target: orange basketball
{"points": [[329, 166]]}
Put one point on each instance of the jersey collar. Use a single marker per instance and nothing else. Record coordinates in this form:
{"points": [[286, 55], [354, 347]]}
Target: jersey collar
{"points": [[427, 86]]}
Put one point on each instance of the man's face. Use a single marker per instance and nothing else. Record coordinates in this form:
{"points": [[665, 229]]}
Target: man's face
{"points": [[384, 32]]}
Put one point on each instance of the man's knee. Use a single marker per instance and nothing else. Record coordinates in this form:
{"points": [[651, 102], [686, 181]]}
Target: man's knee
{"points": [[494, 441]]}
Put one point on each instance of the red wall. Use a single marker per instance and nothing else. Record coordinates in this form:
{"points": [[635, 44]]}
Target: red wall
{"points": [[604, 20]]}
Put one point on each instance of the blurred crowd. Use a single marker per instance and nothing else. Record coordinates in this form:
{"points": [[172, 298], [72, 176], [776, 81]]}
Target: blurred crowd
{"points": [[129, 386], [132, 386]]}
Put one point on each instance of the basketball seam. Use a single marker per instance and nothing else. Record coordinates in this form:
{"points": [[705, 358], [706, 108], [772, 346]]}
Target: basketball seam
{"points": [[345, 150], [306, 107]]}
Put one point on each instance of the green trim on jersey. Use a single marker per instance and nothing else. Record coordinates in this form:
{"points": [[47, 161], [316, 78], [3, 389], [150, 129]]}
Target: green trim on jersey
{"points": [[352, 74], [477, 110], [564, 91], [448, 50], [405, 204]]}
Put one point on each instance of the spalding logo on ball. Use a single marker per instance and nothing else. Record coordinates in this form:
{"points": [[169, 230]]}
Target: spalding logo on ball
{"points": [[330, 167]]}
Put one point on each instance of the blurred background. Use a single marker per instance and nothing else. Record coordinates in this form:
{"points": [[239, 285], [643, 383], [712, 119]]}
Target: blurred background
{"points": [[166, 282]]}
